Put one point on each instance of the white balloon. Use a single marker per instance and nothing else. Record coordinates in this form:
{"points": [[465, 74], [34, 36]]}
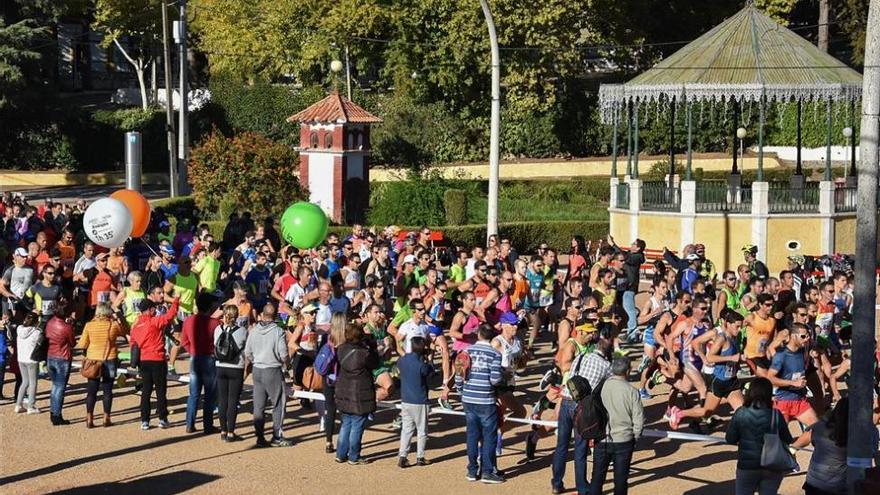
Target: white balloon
{"points": [[107, 222]]}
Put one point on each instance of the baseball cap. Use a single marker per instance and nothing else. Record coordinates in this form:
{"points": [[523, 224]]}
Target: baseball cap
{"points": [[509, 318], [750, 248], [699, 247], [102, 256], [409, 259], [309, 308], [21, 252], [797, 258], [586, 328], [693, 257], [166, 249]]}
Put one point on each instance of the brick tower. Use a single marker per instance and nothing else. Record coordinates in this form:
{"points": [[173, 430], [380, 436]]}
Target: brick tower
{"points": [[334, 147]]}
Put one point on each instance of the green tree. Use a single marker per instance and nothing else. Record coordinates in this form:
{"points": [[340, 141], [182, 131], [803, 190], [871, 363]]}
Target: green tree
{"points": [[15, 55], [140, 21]]}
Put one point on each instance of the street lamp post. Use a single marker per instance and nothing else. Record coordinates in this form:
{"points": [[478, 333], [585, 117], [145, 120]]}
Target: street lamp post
{"points": [[850, 175], [741, 135], [494, 128]]}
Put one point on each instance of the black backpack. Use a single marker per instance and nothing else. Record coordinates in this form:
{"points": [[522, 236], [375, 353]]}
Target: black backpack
{"points": [[590, 415], [226, 350]]}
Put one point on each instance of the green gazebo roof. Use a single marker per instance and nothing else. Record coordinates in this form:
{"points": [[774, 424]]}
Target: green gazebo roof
{"points": [[744, 58]]}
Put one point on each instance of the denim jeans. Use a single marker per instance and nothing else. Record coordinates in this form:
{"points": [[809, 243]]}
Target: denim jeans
{"points": [[202, 374], [632, 313], [620, 453], [564, 431], [59, 373], [350, 435], [105, 383], [482, 436]]}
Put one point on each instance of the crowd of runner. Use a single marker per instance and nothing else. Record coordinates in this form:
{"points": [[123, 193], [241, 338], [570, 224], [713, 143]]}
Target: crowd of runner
{"points": [[374, 316]]}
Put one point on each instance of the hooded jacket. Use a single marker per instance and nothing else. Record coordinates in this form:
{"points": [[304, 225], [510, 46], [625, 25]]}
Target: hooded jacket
{"points": [[266, 345], [148, 333]]}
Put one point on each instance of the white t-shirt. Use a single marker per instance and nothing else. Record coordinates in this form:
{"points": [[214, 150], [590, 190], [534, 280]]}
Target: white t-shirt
{"points": [[323, 315], [295, 295], [411, 329]]}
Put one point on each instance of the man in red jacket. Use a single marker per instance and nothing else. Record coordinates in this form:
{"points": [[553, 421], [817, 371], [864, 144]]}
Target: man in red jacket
{"points": [[59, 333], [148, 333]]}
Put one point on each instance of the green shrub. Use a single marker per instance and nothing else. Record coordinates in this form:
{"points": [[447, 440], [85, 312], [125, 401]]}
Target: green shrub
{"points": [[249, 170], [527, 236], [262, 107], [455, 204], [414, 201]]}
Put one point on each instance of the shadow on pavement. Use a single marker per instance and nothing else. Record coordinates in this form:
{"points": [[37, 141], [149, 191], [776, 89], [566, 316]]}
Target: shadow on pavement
{"points": [[161, 484]]}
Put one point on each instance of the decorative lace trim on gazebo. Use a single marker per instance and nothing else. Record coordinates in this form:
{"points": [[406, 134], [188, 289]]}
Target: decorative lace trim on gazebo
{"points": [[611, 95]]}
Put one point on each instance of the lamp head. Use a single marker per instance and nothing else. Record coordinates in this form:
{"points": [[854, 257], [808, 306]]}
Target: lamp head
{"points": [[741, 133], [847, 132], [336, 66]]}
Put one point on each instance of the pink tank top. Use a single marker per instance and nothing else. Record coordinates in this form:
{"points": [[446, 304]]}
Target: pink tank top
{"points": [[469, 329]]}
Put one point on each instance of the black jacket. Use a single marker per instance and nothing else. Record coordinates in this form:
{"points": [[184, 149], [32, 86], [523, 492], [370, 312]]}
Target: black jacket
{"points": [[355, 393], [632, 266], [747, 429]]}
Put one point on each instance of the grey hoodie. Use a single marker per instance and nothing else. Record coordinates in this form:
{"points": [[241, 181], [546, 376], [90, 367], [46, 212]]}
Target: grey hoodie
{"points": [[266, 345]]}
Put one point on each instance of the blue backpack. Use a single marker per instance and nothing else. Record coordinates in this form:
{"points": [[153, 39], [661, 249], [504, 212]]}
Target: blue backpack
{"points": [[325, 361]]}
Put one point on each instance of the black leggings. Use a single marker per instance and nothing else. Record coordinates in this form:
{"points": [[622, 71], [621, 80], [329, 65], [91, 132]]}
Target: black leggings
{"points": [[229, 383], [329, 411], [3, 379], [154, 373], [106, 384]]}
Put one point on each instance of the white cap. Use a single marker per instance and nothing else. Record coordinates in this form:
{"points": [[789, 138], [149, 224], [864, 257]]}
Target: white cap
{"points": [[409, 259], [21, 252]]}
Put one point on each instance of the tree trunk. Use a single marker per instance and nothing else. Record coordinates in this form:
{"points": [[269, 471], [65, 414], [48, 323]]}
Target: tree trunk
{"points": [[139, 70], [824, 17]]}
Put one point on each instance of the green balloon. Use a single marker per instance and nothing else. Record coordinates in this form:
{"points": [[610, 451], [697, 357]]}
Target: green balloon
{"points": [[304, 225]]}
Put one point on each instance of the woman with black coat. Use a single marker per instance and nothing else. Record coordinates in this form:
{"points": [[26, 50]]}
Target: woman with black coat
{"points": [[355, 394], [747, 429]]}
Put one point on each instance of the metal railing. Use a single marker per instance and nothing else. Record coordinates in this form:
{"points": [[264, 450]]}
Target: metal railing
{"points": [[622, 195], [785, 199], [845, 199], [658, 196], [718, 196]]}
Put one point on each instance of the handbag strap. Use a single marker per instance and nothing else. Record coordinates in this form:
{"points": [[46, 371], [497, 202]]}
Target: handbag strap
{"points": [[773, 427]]}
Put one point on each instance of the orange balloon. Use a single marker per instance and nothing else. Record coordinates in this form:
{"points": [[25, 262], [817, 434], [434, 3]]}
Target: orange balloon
{"points": [[139, 207]]}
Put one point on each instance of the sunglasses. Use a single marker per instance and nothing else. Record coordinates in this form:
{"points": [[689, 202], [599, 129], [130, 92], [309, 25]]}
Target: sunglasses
{"points": [[421, 308], [768, 305], [802, 336], [508, 279], [731, 279], [701, 308], [49, 273]]}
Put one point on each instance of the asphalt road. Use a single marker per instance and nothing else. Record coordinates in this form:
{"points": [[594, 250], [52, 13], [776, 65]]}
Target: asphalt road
{"points": [[91, 192]]}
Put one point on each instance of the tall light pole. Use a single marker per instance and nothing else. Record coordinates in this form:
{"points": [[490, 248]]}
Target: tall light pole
{"points": [[861, 394], [169, 111], [495, 125], [183, 122]]}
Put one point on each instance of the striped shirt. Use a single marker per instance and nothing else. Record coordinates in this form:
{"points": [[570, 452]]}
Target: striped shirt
{"points": [[483, 375]]}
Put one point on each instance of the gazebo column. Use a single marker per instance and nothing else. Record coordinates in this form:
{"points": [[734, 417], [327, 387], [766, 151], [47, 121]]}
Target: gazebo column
{"points": [[635, 205], [852, 177], [635, 169], [827, 175], [612, 203], [672, 143], [826, 192], [688, 171], [734, 182], [797, 179], [629, 138], [761, 141]]}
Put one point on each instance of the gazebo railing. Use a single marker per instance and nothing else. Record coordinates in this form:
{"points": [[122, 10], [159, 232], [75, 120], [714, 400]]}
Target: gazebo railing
{"points": [[658, 196], [718, 196], [845, 199], [622, 193], [785, 199]]}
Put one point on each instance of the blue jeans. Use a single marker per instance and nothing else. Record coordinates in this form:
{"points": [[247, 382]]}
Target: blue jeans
{"points": [[202, 374], [482, 436], [632, 313], [59, 373], [605, 453], [564, 430], [350, 435]]}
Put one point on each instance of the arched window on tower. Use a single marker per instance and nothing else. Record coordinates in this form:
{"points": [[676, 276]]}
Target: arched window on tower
{"points": [[328, 140], [313, 140]]}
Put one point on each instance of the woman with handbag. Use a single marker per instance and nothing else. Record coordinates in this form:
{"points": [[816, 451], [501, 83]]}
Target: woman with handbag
{"points": [[27, 340], [751, 427], [827, 472], [99, 366], [355, 394], [229, 342]]}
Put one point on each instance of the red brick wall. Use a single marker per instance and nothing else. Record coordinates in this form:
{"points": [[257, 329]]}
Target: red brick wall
{"points": [[304, 170], [339, 138], [304, 136]]}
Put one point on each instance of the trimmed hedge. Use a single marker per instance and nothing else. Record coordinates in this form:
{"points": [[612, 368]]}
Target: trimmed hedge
{"points": [[455, 202]]}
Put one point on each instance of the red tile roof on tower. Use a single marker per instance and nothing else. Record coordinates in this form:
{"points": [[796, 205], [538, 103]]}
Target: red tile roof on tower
{"points": [[335, 108]]}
